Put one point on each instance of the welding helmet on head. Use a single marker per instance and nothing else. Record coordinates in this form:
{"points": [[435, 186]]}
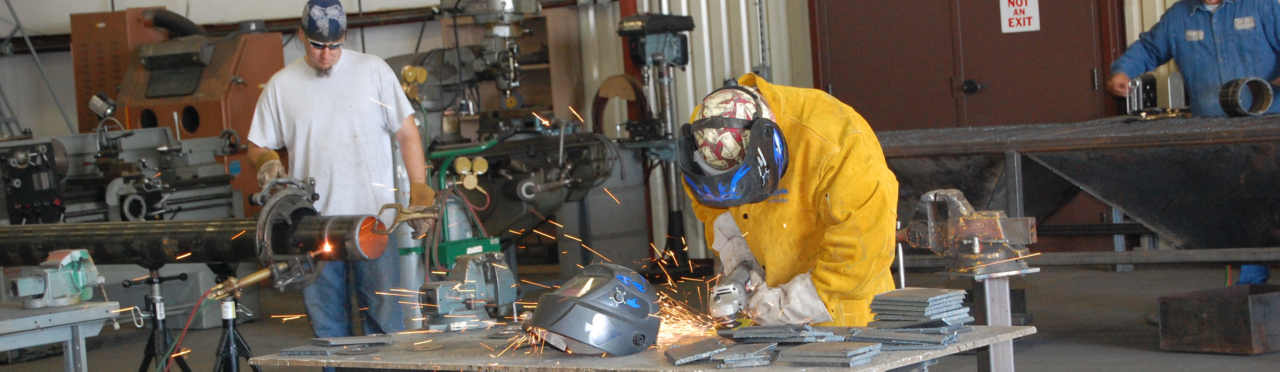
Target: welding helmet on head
{"points": [[605, 309], [749, 176]]}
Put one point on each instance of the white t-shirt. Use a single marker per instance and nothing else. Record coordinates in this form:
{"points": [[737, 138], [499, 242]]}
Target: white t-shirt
{"points": [[337, 129]]}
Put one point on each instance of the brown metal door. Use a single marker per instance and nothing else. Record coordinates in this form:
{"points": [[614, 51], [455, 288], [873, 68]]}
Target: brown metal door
{"points": [[1048, 76], [892, 61]]}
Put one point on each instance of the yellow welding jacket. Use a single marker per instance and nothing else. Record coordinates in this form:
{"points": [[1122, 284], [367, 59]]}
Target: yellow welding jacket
{"points": [[834, 211]]}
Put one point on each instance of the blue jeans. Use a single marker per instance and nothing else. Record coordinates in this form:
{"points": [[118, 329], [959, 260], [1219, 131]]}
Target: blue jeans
{"points": [[328, 303], [1254, 274]]}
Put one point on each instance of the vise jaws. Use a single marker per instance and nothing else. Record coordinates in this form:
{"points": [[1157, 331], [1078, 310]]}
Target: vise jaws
{"points": [[479, 288], [66, 278], [976, 243]]}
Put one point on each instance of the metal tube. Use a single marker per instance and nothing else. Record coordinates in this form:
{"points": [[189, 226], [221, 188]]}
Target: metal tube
{"points": [[153, 244]]}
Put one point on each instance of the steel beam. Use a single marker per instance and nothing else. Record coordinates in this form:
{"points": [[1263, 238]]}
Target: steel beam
{"points": [[1232, 255]]}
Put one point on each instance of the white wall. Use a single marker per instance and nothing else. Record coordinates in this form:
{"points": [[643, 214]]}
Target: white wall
{"points": [[35, 108]]}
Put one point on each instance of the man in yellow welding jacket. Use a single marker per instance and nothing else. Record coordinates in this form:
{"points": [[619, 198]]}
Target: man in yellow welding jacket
{"points": [[793, 183]]}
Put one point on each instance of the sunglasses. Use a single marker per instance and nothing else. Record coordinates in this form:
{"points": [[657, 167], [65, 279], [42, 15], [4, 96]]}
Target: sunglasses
{"points": [[323, 46]]}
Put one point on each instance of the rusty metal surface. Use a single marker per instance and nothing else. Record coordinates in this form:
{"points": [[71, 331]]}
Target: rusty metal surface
{"points": [[462, 351], [1243, 319], [1090, 135]]}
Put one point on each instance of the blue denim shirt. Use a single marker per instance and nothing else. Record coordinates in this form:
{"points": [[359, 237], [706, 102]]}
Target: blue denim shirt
{"points": [[1240, 40]]}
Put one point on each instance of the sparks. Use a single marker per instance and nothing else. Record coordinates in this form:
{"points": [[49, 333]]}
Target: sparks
{"points": [[422, 342], [540, 285], [184, 352], [380, 103], [418, 332], [440, 272], [679, 320], [238, 235], [124, 309], [572, 237], [545, 234], [615, 199], [405, 291], [544, 121], [184, 255], [575, 114], [555, 223], [597, 253], [394, 294]]}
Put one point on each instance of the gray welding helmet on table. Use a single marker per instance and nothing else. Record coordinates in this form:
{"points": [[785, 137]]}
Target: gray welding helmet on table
{"points": [[605, 309]]}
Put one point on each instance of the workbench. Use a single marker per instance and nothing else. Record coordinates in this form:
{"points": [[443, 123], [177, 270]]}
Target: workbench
{"points": [[462, 351], [70, 325]]}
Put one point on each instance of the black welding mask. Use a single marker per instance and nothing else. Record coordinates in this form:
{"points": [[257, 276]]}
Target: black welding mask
{"points": [[750, 181], [605, 309]]}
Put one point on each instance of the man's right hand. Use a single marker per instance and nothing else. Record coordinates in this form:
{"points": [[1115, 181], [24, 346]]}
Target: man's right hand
{"points": [[1119, 84], [269, 167]]}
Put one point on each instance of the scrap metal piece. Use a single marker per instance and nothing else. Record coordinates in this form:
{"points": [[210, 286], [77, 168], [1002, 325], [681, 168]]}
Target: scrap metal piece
{"points": [[834, 349], [695, 352], [760, 362], [919, 295], [793, 340], [745, 351], [950, 314], [901, 338], [827, 362], [310, 350], [353, 340]]}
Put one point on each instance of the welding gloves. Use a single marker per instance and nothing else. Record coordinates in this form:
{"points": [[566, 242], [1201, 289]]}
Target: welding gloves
{"points": [[796, 302], [421, 197], [269, 167]]}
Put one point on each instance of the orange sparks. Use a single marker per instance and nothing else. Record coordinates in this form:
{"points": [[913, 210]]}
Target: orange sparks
{"points": [[238, 235], [417, 332], [597, 253], [124, 309], [615, 199], [572, 237], [655, 250], [664, 271], [288, 316], [440, 272], [184, 255], [487, 347], [394, 294], [540, 285], [422, 342], [184, 352], [544, 121], [556, 223], [544, 234], [575, 114], [514, 232], [405, 291]]}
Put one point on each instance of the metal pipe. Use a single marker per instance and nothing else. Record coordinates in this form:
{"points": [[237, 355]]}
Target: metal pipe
{"points": [[153, 244]]}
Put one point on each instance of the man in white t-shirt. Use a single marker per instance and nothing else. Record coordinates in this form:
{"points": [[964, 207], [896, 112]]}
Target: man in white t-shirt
{"points": [[336, 112]]}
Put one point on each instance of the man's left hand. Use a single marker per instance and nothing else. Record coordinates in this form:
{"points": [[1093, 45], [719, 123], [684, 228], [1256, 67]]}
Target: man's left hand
{"points": [[421, 197]]}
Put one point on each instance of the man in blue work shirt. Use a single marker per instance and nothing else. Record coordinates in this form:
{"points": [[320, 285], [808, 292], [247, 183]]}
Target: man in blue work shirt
{"points": [[1214, 42]]}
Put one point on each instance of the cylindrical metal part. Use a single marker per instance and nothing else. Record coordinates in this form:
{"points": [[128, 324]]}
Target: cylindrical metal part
{"points": [[339, 238], [153, 244]]}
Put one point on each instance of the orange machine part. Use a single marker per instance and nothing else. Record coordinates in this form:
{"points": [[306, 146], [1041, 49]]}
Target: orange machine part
{"points": [[226, 98], [101, 46]]}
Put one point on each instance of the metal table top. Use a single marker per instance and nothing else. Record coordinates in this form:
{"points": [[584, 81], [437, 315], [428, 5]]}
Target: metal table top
{"points": [[463, 351], [14, 319]]}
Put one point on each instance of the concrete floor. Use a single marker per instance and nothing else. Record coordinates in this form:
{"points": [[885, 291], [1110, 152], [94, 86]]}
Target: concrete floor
{"points": [[1089, 319]]}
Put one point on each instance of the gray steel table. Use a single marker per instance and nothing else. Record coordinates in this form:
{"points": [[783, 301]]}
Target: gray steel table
{"points": [[463, 351], [70, 325]]}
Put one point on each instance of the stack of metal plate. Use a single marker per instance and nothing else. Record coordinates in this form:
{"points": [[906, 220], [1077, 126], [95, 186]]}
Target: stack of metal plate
{"points": [[835, 354], [920, 308], [745, 355], [781, 334], [694, 351], [904, 339]]}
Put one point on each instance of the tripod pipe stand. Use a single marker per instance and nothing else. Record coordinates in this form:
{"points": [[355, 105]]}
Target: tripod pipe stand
{"points": [[160, 341], [232, 347]]}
